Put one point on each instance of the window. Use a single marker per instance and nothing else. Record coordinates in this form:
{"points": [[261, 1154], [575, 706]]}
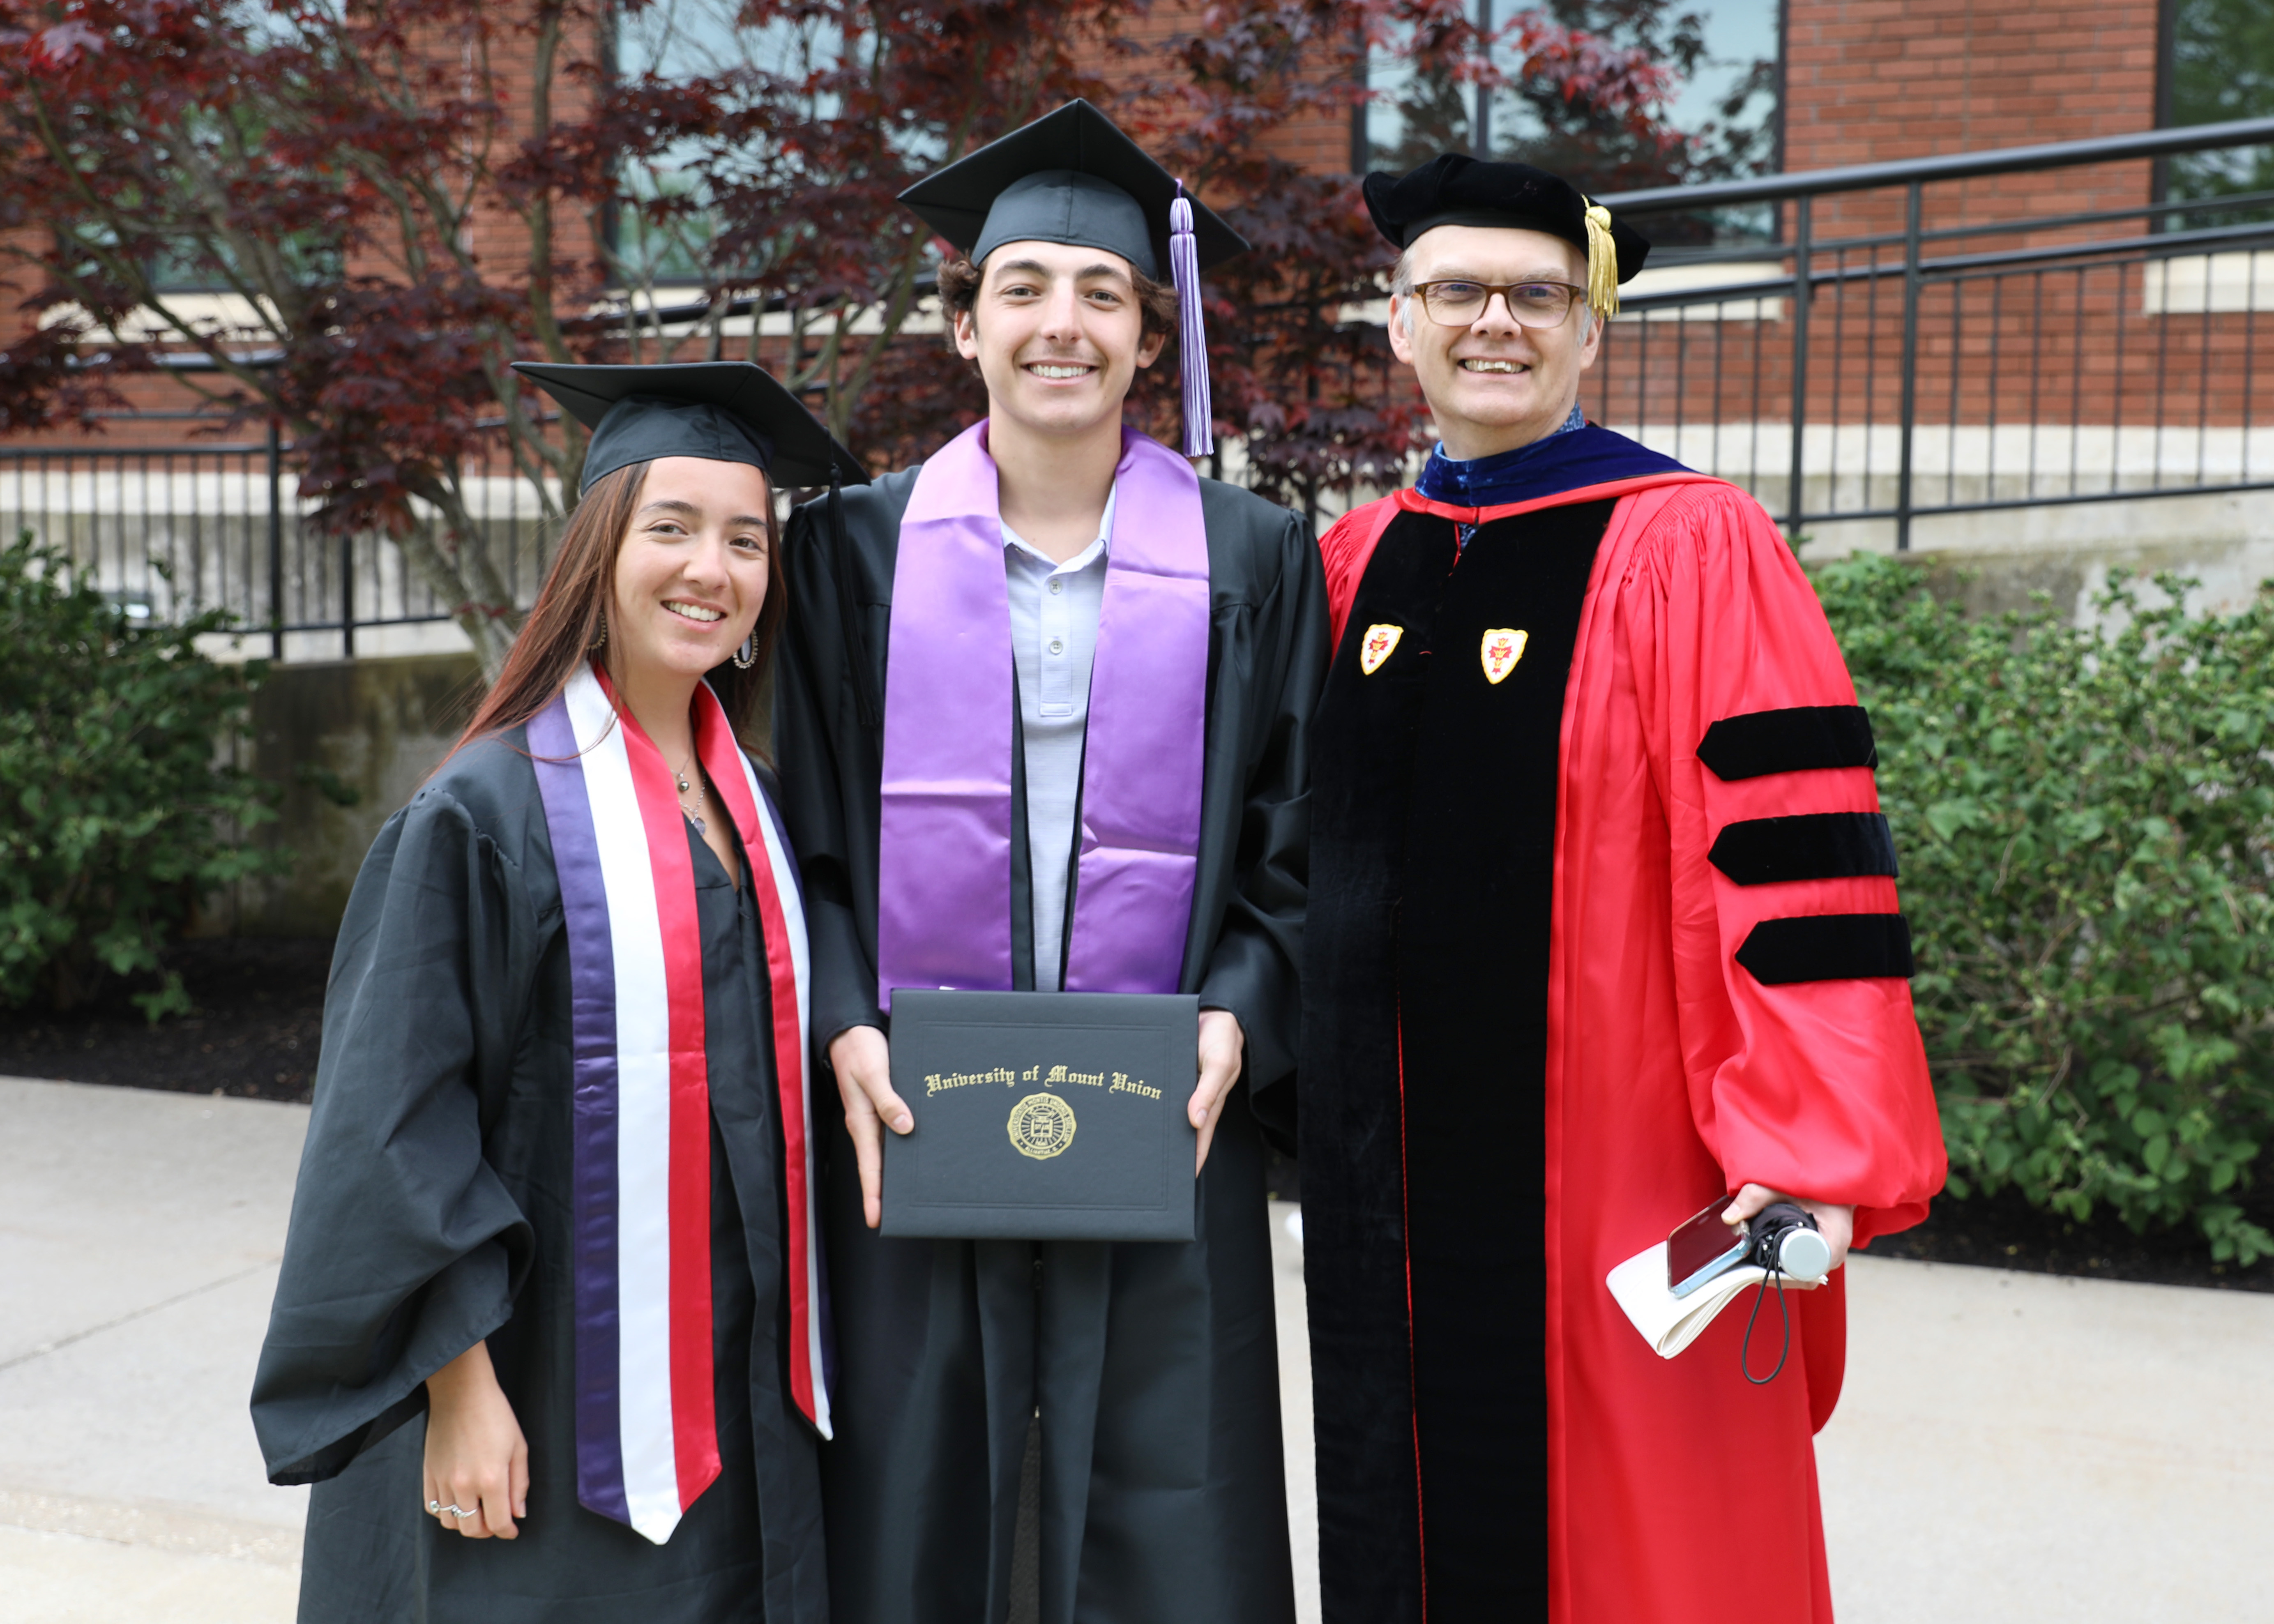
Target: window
{"points": [[2219, 64], [683, 40], [1720, 122]]}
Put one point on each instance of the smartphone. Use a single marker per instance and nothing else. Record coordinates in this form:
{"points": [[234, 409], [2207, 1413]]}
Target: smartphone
{"points": [[1703, 1247]]}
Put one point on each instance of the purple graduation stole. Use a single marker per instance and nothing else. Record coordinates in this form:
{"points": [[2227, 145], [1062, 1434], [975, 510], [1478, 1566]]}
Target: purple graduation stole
{"points": [[944, 866], [647, 1442]]}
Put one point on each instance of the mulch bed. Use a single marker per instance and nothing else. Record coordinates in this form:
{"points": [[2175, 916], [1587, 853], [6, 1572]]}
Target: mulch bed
{"points": [[2003, 1232], [260, 1016], [258, 1020]]}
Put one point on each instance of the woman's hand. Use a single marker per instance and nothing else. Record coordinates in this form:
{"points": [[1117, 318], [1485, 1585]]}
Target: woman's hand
{"points": [[1836, 1223], [1222, 1046], [863, 1063], [476, 1457]]}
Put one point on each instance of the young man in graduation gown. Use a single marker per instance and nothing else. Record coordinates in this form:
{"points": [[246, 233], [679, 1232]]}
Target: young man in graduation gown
{"points": [[1603, 929], [1043, 723]]}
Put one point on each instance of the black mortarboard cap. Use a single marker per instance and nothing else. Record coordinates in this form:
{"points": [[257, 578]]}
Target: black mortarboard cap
{"points": [[1070, 176], [1453, 189], [727, 411]]}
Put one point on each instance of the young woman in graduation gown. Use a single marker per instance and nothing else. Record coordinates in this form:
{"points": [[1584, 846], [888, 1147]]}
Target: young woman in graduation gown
{"points": [[547, 1337]]}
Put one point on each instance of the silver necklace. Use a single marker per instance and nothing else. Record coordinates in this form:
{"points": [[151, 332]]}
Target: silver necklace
{"points": [[685, 787]]}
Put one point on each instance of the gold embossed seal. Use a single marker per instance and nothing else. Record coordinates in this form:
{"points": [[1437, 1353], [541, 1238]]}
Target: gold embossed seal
{"points": [[1042, 1125]]}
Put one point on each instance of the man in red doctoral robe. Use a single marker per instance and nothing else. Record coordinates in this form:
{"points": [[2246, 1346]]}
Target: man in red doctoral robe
{"points": [[1603, 928]]}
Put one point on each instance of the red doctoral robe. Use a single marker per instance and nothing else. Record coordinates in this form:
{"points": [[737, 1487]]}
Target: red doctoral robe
{"points": [[1672, 1070]]}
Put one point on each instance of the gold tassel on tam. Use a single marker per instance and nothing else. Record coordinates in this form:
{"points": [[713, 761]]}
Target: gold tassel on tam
{"points": [[1603, 261]]}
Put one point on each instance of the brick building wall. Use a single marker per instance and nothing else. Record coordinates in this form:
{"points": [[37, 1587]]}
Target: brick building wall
{"points": [[1320, 141], [1876, 81], [1866, 80], [1871, 81], [532, 97]]}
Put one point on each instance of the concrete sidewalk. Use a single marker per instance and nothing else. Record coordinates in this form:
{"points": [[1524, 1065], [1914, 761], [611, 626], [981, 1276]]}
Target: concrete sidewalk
{"points": [[2029, 1447], [138, 1239], [2010, 1448]]}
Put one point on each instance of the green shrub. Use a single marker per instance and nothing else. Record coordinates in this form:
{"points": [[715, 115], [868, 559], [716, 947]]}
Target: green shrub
{"points": [[113, 811], [2086, 821]]}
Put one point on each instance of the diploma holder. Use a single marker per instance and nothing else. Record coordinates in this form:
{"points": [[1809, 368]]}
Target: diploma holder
{"points": [[1049, 1116]]}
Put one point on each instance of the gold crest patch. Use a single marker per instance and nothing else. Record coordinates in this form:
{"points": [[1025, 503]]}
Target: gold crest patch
{"points": [[1042, 1125], [1502, 649], [1379, 640]]}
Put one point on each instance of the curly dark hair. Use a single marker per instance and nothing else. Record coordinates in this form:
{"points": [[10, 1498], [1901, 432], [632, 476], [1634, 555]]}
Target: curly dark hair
{"points": [[959, 291]]}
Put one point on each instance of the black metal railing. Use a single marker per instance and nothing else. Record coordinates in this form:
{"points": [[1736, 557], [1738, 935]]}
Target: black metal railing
{"points": [[168, 530], [1962, 334], [1936, 337]]}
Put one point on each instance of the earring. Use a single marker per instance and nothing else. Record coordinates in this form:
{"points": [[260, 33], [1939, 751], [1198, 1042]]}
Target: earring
{"points": [[747, 655], [601, 641]]}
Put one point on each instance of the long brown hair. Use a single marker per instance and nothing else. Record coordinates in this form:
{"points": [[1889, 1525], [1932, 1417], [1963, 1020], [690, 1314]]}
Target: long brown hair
{"points": [[565, 622]]}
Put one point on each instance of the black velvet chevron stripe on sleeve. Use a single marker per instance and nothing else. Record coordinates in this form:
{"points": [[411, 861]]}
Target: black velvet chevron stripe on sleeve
{"points": [[1816, 846], [1793, 740], [1827, 947]]}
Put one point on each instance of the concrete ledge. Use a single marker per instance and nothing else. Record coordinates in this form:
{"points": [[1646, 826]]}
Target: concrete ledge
{"points": [[378, 727]]}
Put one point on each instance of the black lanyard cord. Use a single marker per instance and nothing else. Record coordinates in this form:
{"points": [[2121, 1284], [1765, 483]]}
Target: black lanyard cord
{"points": [[1745, 1350]]}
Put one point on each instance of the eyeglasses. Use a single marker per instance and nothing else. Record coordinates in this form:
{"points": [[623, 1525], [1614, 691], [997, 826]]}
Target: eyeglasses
{"points": [[1535, 304]]}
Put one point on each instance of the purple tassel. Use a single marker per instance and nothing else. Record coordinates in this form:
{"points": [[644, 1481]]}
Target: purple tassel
{"points": [[1192, 339]]}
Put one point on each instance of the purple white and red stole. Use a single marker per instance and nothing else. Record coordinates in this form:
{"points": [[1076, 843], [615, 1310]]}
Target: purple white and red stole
{"points": [[647, 1436], [943, 864]]}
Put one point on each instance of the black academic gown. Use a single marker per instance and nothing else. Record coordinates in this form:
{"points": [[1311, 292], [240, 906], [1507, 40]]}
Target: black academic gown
{"points": [[433, 1210], [1424, 1051], [1154, 1366]]}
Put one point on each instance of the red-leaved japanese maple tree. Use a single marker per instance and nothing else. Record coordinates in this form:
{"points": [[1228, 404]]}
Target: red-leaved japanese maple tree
{"points": [[351, 218]]}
